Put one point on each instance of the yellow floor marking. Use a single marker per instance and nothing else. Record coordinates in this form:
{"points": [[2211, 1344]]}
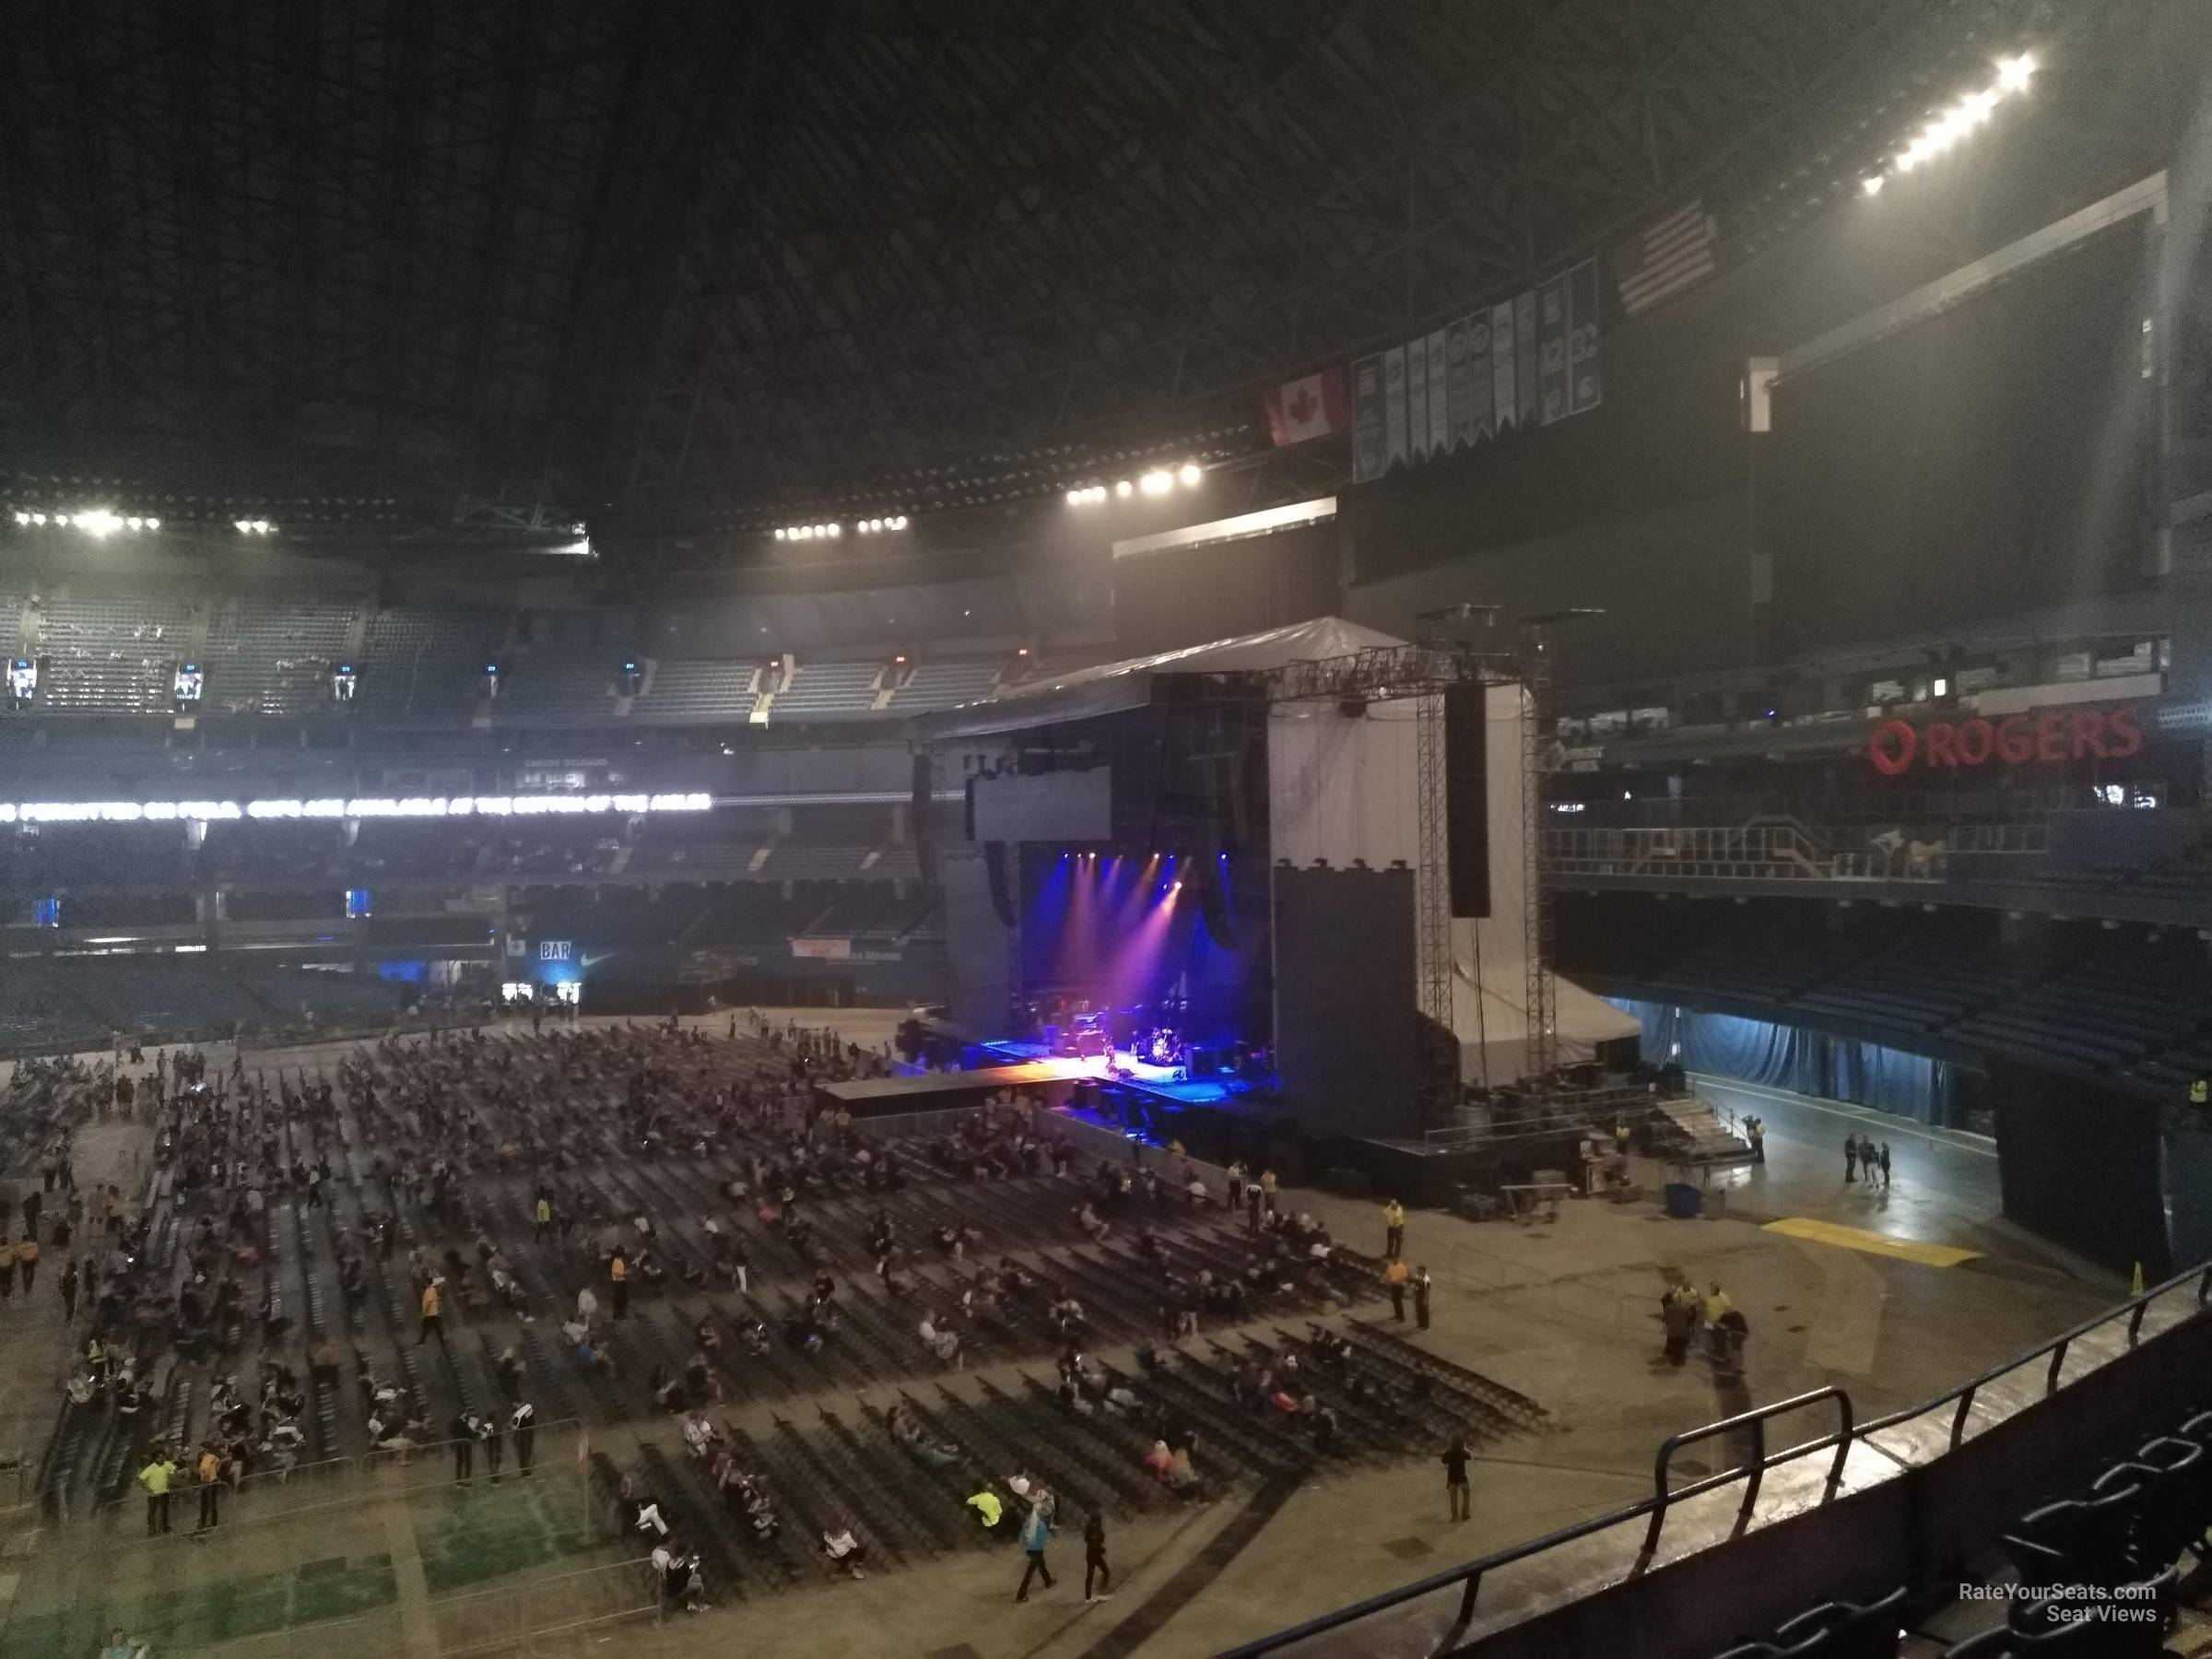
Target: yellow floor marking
{"points": [[1872, 1243]]}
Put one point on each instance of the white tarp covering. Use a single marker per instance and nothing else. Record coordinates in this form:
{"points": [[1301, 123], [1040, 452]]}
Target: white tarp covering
{"points": [[1344, 788]]}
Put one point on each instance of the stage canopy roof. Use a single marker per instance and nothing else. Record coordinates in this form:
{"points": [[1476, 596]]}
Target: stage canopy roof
{"points": [[1082, 693]]}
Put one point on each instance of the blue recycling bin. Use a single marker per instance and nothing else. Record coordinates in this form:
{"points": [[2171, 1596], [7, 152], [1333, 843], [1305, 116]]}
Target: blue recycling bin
{"points": [[1683, 1200]]}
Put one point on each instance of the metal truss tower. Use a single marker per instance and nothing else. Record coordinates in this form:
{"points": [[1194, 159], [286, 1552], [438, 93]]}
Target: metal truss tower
{"points": [[1433, 894], [1541, 995]]}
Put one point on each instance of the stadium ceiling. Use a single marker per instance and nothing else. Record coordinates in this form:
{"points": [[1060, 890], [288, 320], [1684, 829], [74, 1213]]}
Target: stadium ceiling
{"points": [[681, 265]]}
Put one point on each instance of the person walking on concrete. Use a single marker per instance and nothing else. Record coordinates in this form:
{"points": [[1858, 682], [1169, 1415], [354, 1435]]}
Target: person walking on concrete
{"points": [[1393, 1280], [1421, 1283], [1755, 1131], [618, 1274], [1393, 1228], [1884, 1160], [69, 1294], [1094, 1560], [1268, 1189], [1456, 1477], [434, 1314], [1036, 1533], [27, 1258], [1851, 1159]]}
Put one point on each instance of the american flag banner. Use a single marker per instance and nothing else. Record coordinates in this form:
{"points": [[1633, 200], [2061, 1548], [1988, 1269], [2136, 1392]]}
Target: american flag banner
{"points": [[1669, 258]]}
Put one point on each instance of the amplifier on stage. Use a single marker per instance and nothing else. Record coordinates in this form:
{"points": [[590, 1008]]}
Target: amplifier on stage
{"points": [[1090, 1042], [1204, 1062]]}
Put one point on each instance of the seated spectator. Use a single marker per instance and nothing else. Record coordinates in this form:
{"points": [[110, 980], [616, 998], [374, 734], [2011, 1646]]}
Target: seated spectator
{"points": [[845, 1552]]}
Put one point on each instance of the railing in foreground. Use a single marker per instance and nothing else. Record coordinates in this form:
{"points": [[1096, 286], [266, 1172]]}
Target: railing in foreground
{"points": [[1468, 1577]]}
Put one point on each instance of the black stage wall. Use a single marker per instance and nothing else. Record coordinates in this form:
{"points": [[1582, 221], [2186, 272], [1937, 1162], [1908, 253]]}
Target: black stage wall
{"points": [[1347, 1001], [1181, 596], [979, 944], [1468, 791], [2081, 1165]]}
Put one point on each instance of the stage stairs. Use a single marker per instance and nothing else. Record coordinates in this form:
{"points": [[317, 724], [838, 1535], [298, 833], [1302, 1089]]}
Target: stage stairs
{"points": [[1698, 1135]]}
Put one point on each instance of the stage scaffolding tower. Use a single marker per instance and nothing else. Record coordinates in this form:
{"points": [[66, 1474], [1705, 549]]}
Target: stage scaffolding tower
{"points": [[1432, 898]]}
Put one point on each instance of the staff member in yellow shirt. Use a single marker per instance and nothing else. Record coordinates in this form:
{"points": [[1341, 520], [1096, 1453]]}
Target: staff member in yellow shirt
{"points": [[1393, 1228], [433, 1313], [27, 1258], [209, 1472], [1393, 1280], [617, 1273], [155, 1477]]}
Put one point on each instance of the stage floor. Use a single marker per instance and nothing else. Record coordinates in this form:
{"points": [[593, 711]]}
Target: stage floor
{"points": [[1161, 1080]]}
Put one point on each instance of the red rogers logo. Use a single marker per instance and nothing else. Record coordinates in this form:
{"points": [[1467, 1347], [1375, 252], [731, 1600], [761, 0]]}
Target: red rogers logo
{"points": [[1896, 746]]}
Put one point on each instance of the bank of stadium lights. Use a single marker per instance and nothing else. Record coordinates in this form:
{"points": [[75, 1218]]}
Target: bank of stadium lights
{"points": [[254, 526], [99, 522], [2014, 75], [430, 807], [1157, 482], [809, 532], [880, 526]]}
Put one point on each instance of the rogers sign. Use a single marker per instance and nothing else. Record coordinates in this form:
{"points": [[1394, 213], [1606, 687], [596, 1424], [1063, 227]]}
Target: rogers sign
{"points": [[1898, 746]]}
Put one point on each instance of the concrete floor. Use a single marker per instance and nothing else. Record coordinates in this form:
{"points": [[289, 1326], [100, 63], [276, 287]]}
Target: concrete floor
{"points": [[1564, 1311]]}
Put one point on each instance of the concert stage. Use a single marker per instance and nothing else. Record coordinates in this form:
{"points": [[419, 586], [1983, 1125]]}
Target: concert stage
{"points": [[1165, 1083]]}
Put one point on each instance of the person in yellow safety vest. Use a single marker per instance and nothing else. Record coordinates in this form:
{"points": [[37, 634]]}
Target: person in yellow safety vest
{"points": [[1716, 1303], [27, 1258], [617, 1271], [1267, 1188], [2200, 1091], [434, 1314], [544, 1215], [987, 1507], [155, 1477], [1393, 1228], [96, 1359]]}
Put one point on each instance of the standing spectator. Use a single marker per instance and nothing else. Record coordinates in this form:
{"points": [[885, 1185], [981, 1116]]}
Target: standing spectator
{"points": [[523, 1421], [1393, 1228], [1094, 1560], [1884, 1161], [1678, 1316], [1393, 1280], [495, 1444], [1456, 1477], [69, 1294], [1036, 1533], [1851, 1159], [1755, 1131], [27, 1257], [463, 1431], [208, 1471], [433, 1313], [1421, 1282], [1268, 1189], [617, 1273]]}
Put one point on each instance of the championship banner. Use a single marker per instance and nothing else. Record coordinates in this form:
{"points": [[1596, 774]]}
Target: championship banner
{"points": [[1585, 387], [1501, 365], [1439, 406], [1459, 375], [1417, 397], [1369, 452], [1525, 358], [1528, 361], [1551, 349], [1394, 407]]}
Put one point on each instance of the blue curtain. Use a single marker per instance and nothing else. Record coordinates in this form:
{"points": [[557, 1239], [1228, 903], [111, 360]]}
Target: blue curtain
{"points": [[1794, 1057]]}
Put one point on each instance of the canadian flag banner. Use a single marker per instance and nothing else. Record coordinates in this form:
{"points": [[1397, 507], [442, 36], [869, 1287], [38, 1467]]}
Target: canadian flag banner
{"points": [[1312, 407]]}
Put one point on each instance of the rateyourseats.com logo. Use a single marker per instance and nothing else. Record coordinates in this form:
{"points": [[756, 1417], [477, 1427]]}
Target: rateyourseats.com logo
{"points": [[2076, 1604]]}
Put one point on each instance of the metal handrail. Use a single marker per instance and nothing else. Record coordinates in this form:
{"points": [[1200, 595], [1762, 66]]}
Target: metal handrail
{"points": [[1469, 1575], [1762, 1460]]}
